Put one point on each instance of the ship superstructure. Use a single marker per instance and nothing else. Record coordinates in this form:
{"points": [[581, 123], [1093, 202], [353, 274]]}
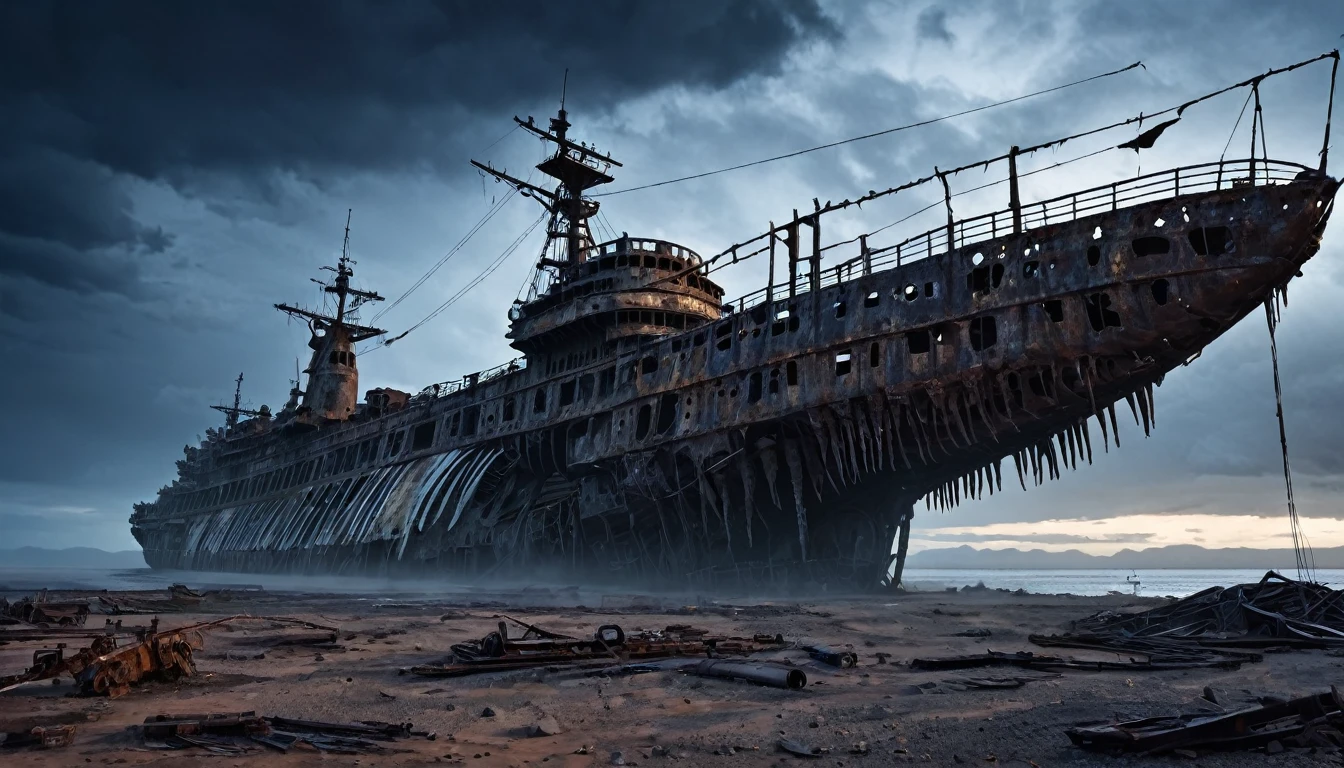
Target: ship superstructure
{"points": [[654, 433]]}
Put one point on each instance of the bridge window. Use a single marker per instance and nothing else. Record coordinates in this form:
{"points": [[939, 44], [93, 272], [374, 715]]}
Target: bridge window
{"points": [[1093, 255], [566, 392], [839, 309], [507, 411], [754, 387], [471, 416], [871, 300], [539, 401], [724, 334], [874, 355]]}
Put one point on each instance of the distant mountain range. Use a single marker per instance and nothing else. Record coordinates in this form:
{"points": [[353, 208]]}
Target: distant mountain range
{"points": [[1175, 556], [74, 557]]}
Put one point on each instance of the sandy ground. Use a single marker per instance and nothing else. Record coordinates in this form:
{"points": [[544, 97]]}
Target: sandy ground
{"points": [[692, 721]]}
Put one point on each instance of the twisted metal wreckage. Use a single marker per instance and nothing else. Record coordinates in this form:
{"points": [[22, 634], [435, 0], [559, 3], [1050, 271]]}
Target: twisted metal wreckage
{"points": [[652, 432]]}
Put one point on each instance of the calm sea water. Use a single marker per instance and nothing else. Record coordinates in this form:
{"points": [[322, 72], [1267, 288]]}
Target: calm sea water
{"points": [[1153, 583]]}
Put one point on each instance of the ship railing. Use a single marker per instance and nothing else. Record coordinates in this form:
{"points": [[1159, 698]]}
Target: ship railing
{"points": [[470, 380], [1107, 198], [649, 245]]}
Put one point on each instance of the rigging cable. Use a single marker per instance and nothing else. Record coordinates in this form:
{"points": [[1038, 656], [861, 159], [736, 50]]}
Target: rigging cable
{"points": [[490, 214], [920, 124], [494, 265], [1151, 135], [1301, 548]]}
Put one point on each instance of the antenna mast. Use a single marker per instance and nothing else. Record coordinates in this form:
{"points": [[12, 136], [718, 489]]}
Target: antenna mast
{"points": [[577, 167], [231, 413]]}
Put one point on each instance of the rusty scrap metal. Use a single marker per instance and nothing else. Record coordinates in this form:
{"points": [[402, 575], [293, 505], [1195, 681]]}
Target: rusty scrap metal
{"points": [[610, 645], [104, 668], [1029, 660], [232, 732], [38, 611], [1219, 623], [774, 675], [245, 723], [42, 736], [1311, 721], [835, 657]]}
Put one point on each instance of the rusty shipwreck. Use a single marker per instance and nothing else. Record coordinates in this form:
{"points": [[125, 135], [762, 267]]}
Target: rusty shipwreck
{"points": [[654, 433]]}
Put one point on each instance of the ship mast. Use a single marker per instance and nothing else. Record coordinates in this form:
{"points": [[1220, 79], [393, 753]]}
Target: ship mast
{"points": [[333, 380], [231, 413], [577, 168]]}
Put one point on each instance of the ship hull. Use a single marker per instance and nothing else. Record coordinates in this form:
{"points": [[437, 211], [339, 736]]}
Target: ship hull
{"points": [[799, 463]]}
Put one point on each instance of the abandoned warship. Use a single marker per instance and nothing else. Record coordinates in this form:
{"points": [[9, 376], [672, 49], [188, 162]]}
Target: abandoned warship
{"points": [[653, 433]]}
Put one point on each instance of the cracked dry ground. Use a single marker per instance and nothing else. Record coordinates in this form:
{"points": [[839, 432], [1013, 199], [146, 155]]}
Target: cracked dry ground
{"points": [[691, 721]]}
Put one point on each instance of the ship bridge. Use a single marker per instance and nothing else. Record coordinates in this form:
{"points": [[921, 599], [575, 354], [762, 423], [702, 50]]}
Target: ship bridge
{"points": [[627, 288]]}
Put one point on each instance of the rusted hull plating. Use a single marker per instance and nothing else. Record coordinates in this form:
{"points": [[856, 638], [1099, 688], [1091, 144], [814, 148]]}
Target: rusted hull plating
{"points": [[789, 444]]}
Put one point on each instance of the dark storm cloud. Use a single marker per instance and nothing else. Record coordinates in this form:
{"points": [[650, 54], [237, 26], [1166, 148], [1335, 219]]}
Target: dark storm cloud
{"points": [[932, 24], [168, 91]]}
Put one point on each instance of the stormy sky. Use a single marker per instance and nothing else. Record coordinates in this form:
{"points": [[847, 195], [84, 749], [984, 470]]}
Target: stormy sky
{"points": [[168, 171]]}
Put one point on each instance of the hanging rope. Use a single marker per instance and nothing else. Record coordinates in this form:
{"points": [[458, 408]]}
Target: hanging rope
{"points": [[1301, 548]]}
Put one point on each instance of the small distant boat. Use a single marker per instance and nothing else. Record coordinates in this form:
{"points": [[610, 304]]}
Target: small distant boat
{"points": [[1133, 580]]}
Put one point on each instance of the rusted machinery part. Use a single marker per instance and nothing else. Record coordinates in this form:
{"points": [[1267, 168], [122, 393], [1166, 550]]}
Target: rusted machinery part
{"points": [[774, 675]]}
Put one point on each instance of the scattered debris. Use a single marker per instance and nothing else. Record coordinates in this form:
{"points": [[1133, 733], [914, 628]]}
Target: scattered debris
{"points": [[968, 683], [1029, 660], [1312, 721], [774, 675], [610, 646], [104, 668], [836, 658], [44, 737], [232, 733], [38, 611], [1217, 624], [800, 749]]}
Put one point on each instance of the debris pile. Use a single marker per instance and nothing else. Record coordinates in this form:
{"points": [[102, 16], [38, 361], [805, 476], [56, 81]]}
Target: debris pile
{"points": [[1029, 660], [1312, 721], [233, 733], [610, 646], [43, 737], [37, 611], [106, 669], [1217, 625]]}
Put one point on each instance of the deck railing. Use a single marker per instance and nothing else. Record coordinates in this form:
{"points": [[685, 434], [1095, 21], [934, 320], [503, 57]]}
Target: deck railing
{"points": [[1162, 185]]}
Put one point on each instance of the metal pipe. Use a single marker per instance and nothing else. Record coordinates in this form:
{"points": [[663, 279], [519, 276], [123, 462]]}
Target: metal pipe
{"points": [[774, 675], [1014, 202]]}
